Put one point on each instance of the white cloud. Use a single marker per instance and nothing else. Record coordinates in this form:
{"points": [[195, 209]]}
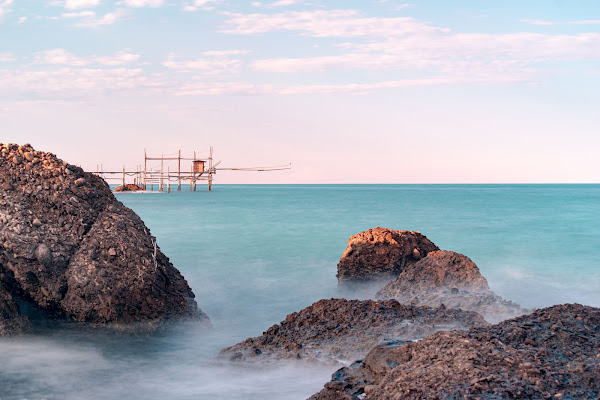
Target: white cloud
{"points": [[212, 62], [407, 44], [549, 23], [326, 23], [63, 57], [242, 88], [80, 14], [21, 20], [144, 3], [65, 82], [107, 19], [4, 8], [76, 4], [202, 4], [7, 57]]}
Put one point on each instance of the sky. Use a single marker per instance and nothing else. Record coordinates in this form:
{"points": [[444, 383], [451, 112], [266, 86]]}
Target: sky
{"points": [[432, 91]]}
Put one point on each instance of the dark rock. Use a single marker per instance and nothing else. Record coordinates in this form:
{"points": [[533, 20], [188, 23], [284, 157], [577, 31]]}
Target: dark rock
{"points": [[43, 255], [65, 266], [128, 188], [381, 254], [452, 279], [337, 331], [11, 320], [551, 353]]}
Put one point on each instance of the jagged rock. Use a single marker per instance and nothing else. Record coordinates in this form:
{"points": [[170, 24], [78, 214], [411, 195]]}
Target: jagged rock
{"points": [[551, 353], [452, 279], [57, 226], [381, 254], [338, 331]]}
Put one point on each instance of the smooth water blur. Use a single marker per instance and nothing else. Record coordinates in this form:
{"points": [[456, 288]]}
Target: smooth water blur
{"points": [[253, 254]]}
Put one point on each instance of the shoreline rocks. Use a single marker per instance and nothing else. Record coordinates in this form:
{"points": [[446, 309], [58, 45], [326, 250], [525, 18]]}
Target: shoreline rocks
{"points": [[452, 279], [380, 254], [551, 353], [70, 248], [337, 331]]}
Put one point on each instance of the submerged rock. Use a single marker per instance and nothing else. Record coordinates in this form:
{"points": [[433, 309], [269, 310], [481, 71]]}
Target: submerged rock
{"points": [[381, 254], [452, 279], [551, 353], [338, 331], [69, 247]]}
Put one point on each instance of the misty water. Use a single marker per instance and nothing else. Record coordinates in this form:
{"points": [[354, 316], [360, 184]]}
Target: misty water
{"points": [[253, 254]]}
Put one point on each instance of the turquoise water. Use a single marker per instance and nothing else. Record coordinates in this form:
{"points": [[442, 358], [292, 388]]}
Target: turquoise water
{"points": [[254, 253]]}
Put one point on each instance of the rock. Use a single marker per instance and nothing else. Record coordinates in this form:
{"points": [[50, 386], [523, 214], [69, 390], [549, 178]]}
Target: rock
{"points": [[65, 266], [553, 352], [452, 279], [127, 188], [337, 331], [381, 254], [11, 320], [29, 156], [43, 255]]}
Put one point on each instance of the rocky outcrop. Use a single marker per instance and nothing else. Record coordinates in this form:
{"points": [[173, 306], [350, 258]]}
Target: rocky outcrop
{"points": [[551, 353], [338, 331], [452, 279], [381, 254], [69, 247], [128, 188]]}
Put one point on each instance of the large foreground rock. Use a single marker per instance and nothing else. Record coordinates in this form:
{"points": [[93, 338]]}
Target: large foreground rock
{"points": [[381, 254], [452, 279], [69, 247], [550, 354], [339, 331]]}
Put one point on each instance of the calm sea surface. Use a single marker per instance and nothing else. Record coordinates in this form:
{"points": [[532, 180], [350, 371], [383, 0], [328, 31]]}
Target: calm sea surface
{"points": [[253, 254]]}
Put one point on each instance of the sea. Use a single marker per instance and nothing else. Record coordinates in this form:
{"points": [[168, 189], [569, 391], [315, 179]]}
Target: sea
{"points": [[255, 253]]}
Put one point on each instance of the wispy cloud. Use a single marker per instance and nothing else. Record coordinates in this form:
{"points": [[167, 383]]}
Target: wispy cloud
{"points": [[325, 23], [243, 88], [144, 3], [550, 23], [107, 19], [63, 57], [79, 14], [200, 4], [7, 57], [21, 20], [77, 4], [211, 62], [4, 8], [66, 82]]}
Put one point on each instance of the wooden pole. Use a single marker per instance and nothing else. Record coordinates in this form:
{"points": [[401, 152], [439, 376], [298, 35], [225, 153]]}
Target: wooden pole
{"points": [[161, 173], [210, 169], [179, 172], [123, 175], [145, 158], [168, 179]]}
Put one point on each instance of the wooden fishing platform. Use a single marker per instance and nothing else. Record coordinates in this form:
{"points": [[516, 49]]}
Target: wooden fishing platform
{"points": [[153, 177]]}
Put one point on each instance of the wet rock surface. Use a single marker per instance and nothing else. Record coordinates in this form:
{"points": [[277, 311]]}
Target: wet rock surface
{"points": [[128, 188], [452, 279], [549, 354], [381, 254], [338, 331], [69, 247]]}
